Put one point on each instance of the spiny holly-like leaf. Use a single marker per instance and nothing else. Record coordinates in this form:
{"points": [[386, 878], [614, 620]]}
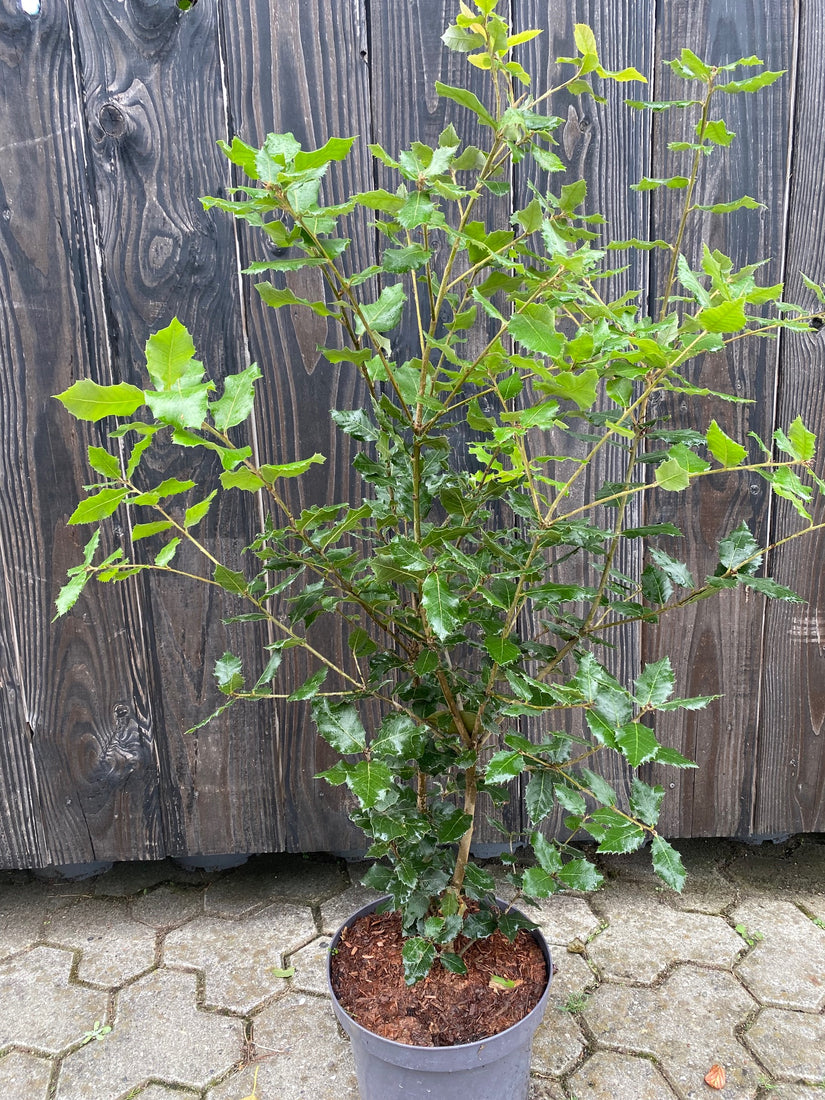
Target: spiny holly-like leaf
{"points": [[369, 780], [230, 580], [340, 726], [441, 605], [418, 956], [504, 766], [655, 683], [646, 801], [737, 548], [103, 462], [580, 874], [385, 312], [538, 797], [667, 863], [228, 673], [637, 743], [98, 506]]}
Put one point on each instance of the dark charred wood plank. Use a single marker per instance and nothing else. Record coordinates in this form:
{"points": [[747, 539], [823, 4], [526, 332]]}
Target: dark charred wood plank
{"points": [[301, 66], [715, 645], [153, 92], [789, 777], [76, 747]]}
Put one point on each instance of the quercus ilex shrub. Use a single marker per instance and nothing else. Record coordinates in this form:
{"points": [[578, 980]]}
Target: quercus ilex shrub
{"points": [[477, 576]]}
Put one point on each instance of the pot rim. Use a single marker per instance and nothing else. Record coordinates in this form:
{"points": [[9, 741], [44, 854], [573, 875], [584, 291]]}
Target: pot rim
{"points": [[531, 1021]]}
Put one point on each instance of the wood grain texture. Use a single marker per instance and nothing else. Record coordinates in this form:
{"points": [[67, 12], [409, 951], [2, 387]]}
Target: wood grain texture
{"points": [[716, 645], [73, 698], [789, 776], [152, 79], [301, 66]]}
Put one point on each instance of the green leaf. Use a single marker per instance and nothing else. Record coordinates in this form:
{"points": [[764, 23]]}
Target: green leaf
{"points": [[441, 606], [537, 883], [418, 956], [745, 203], [466, 99], [238, 399], [452, 828], [309, 688], [677, 571], [655, 683], [637, 743], [646, 801], [242, 479], [99, 506], [600, 788], [369, 780], [539, 796], [184, 405], [727, 317], [452, 962], [667, 863], [169, 353], [164, 556], [228, 674], [802, 443], [580, 874], [196, 512], [103, 462], [230, 580], [78, 576], [335, 149], [770, 588], [502, 650], [672, 476], [385, 312], [86, 400], [504, 766], [752, 84], [280, 972], [340, 726], [647, 183], [737, 548], [144, 530], [615, 834], [400, 260], [716, 131], [723, 448]]}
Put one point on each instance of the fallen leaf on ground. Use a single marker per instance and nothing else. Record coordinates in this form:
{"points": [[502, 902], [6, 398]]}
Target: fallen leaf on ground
{"points": [[716, 1077]]}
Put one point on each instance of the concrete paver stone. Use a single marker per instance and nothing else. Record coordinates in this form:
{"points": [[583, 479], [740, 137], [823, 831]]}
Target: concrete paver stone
{"points": [[167, 906], [237, 957], [24, 1075], [311, 967], [706, 889], [795, 867], [41, 1009], [159, 1035], [302, 1055], [791, 1044], [306, 881], [688, 1023], [114, 947], [796, 1092], [558, 1043], [335, 911], [563, 918], [609, 1076], [786, 966], [645, 936], [162, 1092], [21, 916]]}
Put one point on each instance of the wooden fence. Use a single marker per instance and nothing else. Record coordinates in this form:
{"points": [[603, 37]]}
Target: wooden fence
{"points": [[109, 111]]}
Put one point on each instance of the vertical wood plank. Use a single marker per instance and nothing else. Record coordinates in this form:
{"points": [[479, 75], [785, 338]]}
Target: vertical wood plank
{"points": [[301, 66], [153, 89], [609, 146], [74, 708], [715, 645], [789, 779]]}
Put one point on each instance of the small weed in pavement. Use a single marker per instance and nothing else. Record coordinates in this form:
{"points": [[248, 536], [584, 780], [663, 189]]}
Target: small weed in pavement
{"points": [[750, 938], [576, 1002]]}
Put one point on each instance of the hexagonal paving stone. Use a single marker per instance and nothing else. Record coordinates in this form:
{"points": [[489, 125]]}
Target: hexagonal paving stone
{"points": [[237, 957], [645, 936], [563, 919], [544, 1090], [167, 906], [281, 878], [302, 1055], [796, 1092], [22, 911], [559, 1041], [128, 879], [608, 1076], [335, 911], [311, 967], [688, 1023], [791, 1044], [24, 1075], [793, 868], [163, 1092], [786, 966], [39, 978], [706, 890], [114, 947], [159, 1034]]}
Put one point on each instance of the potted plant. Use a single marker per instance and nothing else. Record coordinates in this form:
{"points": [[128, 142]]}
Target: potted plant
{"points": [[475, 651]]}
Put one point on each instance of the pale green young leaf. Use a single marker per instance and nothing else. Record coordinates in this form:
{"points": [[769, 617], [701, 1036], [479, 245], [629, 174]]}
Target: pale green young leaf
{"points": [[818, 290], [238, 399], [726, 317], [78, 576], [104, 463], [145, 530], [466, 99], [98, 506], [169, 354], [334, 149], [230, 580], [384, 313], [165, 556], [86, 400], [195, 513], [801, 442], [276, 297], [649, 183], [672, 476], [745, 203], [716, 131], [724, 449], [534, 328], [752, 84], [244, 479]]}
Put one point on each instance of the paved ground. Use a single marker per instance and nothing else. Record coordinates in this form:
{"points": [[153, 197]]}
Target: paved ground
{"points": [[156, 983]]}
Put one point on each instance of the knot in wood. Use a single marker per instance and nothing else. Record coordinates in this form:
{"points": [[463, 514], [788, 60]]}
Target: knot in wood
{"points": [[112, 120]]}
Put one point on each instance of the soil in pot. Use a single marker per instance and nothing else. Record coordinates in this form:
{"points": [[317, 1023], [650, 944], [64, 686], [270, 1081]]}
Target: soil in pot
{"points": [[443, 1009]]}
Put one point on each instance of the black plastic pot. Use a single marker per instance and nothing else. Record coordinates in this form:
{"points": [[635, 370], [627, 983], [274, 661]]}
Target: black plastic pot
{"points": [[497, 1068]]}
